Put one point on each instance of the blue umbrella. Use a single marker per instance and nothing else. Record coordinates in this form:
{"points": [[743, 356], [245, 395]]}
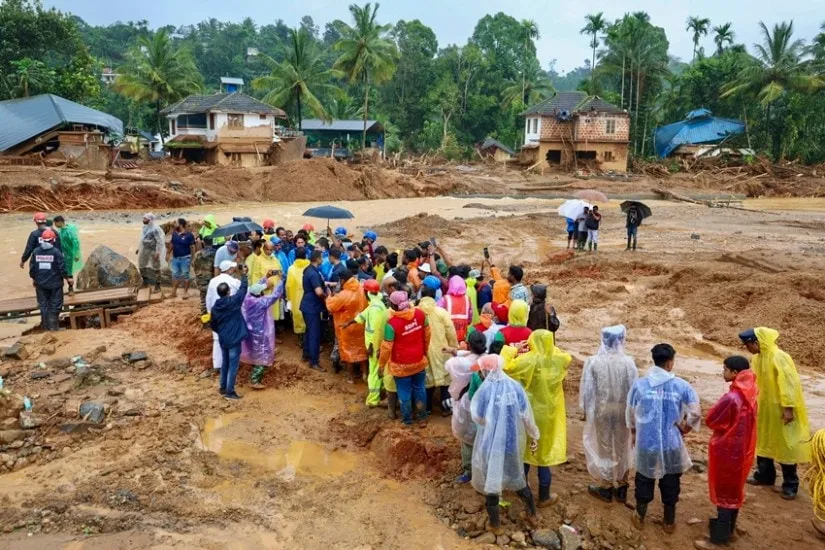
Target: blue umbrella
{"points": [[329, 213]]}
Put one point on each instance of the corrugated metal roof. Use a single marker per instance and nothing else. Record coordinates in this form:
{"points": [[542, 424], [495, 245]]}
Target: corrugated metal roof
{"points": [[236, 102], [340, 125], [23, 119], [698, 128]]}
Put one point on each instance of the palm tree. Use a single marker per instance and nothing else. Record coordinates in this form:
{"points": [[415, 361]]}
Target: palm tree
{"points": [[699, 26], [367, 55], [159, 73], [776, 69], [596, 24], [723, 34], [532, 88], [29, 74], [299, 78]]}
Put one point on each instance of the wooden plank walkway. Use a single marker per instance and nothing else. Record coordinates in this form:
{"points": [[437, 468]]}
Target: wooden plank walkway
{"points": [[18, 307]]}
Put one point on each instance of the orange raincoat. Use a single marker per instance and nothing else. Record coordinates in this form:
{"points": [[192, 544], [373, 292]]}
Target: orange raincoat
{"points": [[345, 306], [501, 288]]}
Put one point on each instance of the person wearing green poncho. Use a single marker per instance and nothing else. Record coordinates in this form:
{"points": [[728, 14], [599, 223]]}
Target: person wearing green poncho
{"points": [[70, 242], [209, 226]]}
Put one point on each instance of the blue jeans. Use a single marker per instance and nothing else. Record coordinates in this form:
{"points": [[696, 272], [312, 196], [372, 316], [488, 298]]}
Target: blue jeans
{"points": [[411, 388], [632, 230], [229, 367], [545, 477], [312, 337], [180, 268]]}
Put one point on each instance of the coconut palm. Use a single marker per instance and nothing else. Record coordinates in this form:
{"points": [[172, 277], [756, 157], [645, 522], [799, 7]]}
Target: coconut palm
{"points": [[299, 79], [29, 75], [723, 34], [367, 55], [157, 72], [596, 24], [776, 69], [531, 88], [699, 27]]}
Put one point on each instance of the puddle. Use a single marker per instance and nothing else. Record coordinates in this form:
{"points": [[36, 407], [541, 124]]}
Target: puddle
{"points": [[300, 459]]}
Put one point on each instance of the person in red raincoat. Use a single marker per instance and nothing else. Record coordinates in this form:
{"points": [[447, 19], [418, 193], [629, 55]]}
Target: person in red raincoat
{"points": [[731, 450]]}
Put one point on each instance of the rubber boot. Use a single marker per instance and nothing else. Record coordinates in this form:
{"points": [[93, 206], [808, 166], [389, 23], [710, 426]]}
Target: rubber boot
{"points": [[670, 519], [56, 322], [595, 247], [392, 405], [639, 516], [621, 494], [634, 243], [589, 246], [494, 521], [719, 531], [602, 493], [430, 395], [546, 498], [527, 496], [628, 244], [446, 409]]}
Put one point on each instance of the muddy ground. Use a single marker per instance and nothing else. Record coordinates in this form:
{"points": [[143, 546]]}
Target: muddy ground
{"points": [[303, 464]]}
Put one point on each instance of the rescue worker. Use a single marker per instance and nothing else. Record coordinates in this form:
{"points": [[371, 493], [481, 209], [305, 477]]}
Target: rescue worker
{"points": [[458, 306], [606, 380], [202, 265], [541, 371], [782, 430], [47, 270], [34, 238], [442, 335], [731, 450], [344, 307], [69, 245], [374, 319]]}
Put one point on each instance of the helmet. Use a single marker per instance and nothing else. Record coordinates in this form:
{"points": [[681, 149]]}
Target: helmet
{"points": [[268, 224], [371, 235], [48, 236], [371, 285], [341, 231], [308, 227], [40, 217]]}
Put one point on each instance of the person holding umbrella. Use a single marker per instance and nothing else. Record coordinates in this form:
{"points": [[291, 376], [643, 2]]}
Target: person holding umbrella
{"points": [[636, 212]]}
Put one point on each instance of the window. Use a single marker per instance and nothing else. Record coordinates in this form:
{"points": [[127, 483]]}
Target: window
{"points": [[535, 126], [586, 155], [611, 126], [235, 121], [262, 117], [192, 121], [211, 121], [174, 128], [554, 156], [608, 156]]}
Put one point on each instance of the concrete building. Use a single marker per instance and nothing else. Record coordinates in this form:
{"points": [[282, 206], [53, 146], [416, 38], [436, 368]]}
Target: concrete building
{"points": [[229, 129], [573, 130]]}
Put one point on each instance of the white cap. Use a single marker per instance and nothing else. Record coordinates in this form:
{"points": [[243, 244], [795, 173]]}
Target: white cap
{"points": [[226, 265], [425, 268]]}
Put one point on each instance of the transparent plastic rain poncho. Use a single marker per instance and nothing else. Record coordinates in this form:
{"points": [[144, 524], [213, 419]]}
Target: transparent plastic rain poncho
{"points": [[258, 348], [606, 381], [151, 243], [502, 412], [464, 429], [656, 404]]}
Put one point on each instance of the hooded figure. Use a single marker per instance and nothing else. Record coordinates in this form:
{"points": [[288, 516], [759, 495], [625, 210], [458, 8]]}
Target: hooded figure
{"points": [[780, 390], [501, 287], [258, 348], [345, 306], [516, 330], [265, 263], [151, 251], [541, 371], [70, 245], [472, 294], [442, 335], [539, 317], [502, 412], [458, 305], [374, 319], [606, 380], [295, 293], [209, 226]]}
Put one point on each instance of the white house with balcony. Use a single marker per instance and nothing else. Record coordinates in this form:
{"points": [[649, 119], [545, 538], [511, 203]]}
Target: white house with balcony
{"points": [[229, 128]]}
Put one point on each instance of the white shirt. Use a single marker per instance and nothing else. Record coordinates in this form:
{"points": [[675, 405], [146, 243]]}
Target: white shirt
{"points": [[212, 289]]}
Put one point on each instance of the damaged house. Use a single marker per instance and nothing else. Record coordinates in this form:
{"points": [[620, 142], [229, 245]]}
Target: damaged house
{"points": [[573, 129], [47, 126], [231, 129]]}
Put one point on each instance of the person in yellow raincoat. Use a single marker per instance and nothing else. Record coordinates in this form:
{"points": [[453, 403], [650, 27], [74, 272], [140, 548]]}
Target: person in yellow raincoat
{"points": [[541, 371], [263, 265], [782, 430], [295, 291], [374, 319], [344, 307], [442, 335], [472, 293]]}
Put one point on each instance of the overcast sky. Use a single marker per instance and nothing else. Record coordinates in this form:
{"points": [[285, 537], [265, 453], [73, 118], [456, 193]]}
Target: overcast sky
{"points": [[453, 20]]}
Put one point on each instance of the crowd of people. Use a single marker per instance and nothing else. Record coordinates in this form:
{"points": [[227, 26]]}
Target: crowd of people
{"points": [[480, 346]]}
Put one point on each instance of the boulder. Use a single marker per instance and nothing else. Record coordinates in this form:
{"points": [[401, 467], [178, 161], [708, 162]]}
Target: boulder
{"points": [[570, 538], [10, 436], [105, 268], [547, 538], [17, 351], [93, 412], [30, 420]]}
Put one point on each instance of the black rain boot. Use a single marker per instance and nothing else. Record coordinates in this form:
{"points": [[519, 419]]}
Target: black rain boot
{"points": [[392, 404], [719, 531], [639, 516], [669, 520], [446, 408], [527, 496], [601, 493], [628, 244], [634, 243], [621, 494], [589, 247], [430, 395], [494, 523], [595, 247]]}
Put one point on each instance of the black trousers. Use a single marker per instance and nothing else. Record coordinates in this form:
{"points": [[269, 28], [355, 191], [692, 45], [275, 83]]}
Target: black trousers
{"points": [[766, 474], [50, 302], [723, 526], [669, 486]]}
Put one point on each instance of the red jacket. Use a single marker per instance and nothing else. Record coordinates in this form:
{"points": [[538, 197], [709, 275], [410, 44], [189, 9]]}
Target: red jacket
{"points": [[514, 335]]}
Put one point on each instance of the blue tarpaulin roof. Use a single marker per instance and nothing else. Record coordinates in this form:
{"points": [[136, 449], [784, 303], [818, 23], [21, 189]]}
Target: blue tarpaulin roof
{"points": [[699, 127], [23, 119]]}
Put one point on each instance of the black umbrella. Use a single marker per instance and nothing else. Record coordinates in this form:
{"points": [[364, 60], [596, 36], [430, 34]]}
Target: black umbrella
{"points": [[236, 228], [644, 210], [329, 213]]}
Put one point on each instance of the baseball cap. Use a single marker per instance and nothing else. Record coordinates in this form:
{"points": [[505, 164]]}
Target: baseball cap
{"points": [[232, 245], [226, 265], [40, 217]]}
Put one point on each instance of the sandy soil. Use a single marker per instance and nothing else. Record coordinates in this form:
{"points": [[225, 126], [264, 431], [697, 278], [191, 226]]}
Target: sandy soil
{"points": [[303, 464]]}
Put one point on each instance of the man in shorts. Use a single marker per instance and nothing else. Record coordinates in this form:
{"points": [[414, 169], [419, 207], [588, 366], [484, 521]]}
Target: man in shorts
{"points": [[180, 257]]}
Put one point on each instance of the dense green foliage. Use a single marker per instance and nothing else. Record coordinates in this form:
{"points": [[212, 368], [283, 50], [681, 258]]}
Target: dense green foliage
{"points": [[429, 96]]}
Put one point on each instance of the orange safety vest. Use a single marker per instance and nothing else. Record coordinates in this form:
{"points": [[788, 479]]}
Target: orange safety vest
{"points": [[458, 314]]}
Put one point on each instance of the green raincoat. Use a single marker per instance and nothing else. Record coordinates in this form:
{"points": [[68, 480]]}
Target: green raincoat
{"points": [[70, 244]]}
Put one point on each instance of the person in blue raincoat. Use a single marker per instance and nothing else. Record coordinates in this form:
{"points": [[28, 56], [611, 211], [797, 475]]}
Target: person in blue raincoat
{"points": [[572, 233]]}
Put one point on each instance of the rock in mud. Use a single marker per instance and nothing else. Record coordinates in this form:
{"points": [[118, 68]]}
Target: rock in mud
{"points": [[486, 538], [40, 374], [10, 405], [48, 350], [135, 356], [518, 537], [694, 521], [17, 351], [105, 268], [93, 412], [30, 420], [570, 538], [60, 363], [76, 427], [546, 538], [473, 506], [10, 436]]}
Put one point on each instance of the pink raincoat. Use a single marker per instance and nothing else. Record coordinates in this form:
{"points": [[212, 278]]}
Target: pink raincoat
{"points": [[258, 348]]}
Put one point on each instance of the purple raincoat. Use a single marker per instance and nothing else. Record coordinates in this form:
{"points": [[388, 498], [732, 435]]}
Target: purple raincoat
{"points": [[258, 348]]}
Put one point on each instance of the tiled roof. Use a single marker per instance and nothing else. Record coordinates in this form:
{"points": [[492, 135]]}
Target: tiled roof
{"points": [[572, 102], [314, 124], [228, 103], [490, 142]]}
